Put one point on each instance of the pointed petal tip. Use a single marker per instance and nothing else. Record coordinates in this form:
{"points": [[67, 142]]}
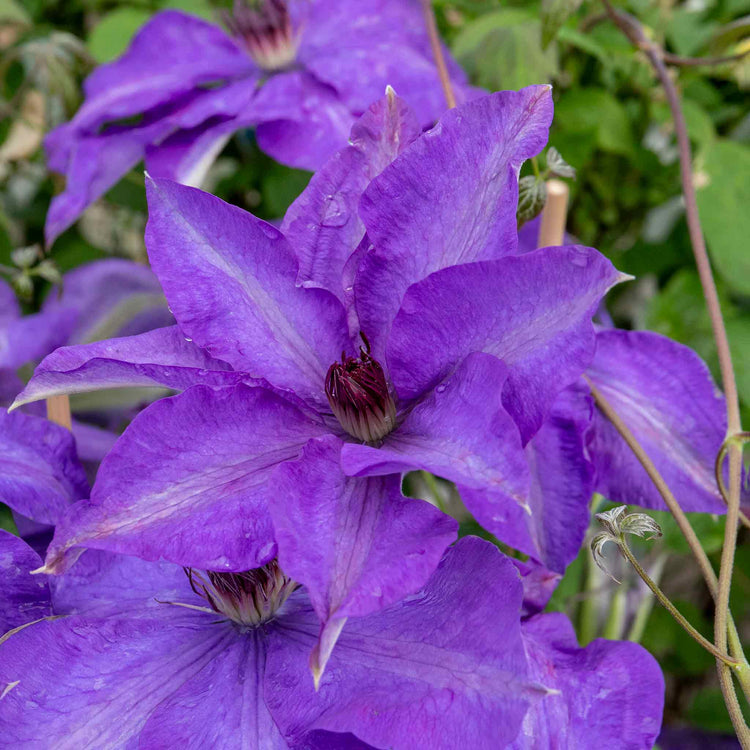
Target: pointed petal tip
{"points": [[316, 668], [24, 397], [321, 653], [60, 561]]}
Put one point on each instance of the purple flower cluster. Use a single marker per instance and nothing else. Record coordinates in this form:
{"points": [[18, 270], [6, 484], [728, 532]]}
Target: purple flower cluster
{"points": [[246, 570]]}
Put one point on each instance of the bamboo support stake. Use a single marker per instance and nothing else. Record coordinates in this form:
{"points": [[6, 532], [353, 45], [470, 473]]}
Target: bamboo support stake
{"points": [[554, 215], [58, 411]]}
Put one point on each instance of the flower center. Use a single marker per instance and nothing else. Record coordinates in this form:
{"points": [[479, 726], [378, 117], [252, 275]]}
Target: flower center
{"points": [[359, 397], [264, 27], [250, 598]]}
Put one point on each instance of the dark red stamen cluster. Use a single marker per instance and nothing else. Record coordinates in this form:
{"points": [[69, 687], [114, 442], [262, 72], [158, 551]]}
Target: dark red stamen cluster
{"points": [[248, 598], [264, 27], [359, 397]]}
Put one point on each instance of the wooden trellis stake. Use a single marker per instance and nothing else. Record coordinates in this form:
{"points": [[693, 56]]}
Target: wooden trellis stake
{"points": [[58, 411], [554, 215]]}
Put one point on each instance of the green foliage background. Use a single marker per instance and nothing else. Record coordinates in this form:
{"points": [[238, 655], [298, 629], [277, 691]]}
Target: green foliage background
{"points": [[612, 124]]}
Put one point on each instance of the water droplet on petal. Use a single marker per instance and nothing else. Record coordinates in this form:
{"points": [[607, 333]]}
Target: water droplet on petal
{"points": [[441, 388], [334, 213], [270, 232], [579, 258]]}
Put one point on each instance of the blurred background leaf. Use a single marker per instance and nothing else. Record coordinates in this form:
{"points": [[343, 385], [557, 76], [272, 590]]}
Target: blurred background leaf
{"points": [[503, 50], [723, 200]]}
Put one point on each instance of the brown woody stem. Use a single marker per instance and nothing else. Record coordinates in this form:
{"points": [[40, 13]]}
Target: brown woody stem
{"points": [[696, 62], [437, 53]]}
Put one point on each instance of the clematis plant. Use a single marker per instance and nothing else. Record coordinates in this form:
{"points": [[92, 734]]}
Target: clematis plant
{"points": [[482, 390], [299, 71], [363, 233], [454, 385]]}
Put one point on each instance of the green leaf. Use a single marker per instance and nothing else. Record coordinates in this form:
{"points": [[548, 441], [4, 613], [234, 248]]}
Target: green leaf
{"points": [[723, 204], [111, 36], [593, 111], [730, 34], [280, 186], [689, 31], [679, 312], [585, 43], [532, 195], [502, 50], [558, 166], [6, 520], [554, 14], [699, 123]]}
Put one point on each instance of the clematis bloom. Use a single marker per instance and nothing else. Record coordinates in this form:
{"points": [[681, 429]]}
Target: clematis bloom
{"points": [[299, 71], [220, 659], [431, 378]]}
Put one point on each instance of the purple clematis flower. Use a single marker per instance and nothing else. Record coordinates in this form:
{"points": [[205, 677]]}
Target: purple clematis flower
{"points": [[112, 297], [221, 659], [299, 71], [143, 654], [462, 385]]}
